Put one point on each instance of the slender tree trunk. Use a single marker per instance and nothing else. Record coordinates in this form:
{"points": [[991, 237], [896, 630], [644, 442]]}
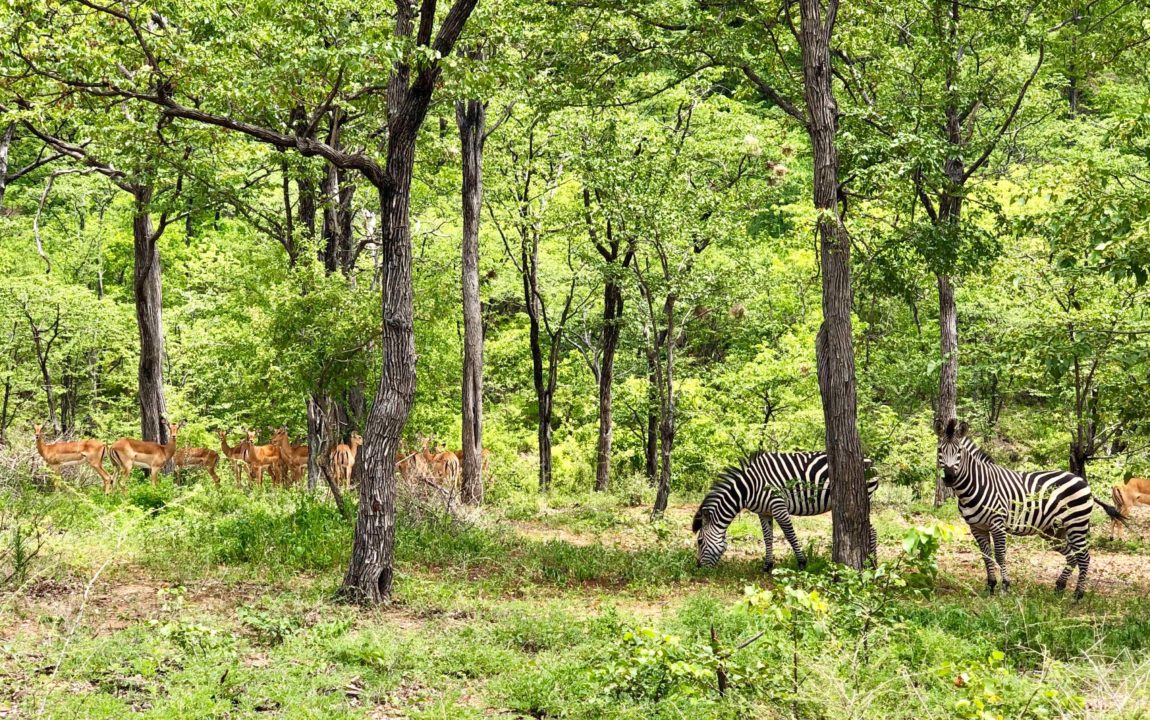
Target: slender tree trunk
{"points": [[651, 450], [850, 505], [470, 116], [5, 145], [326, 421], [666, 410], [612, 312], [948, 372], [529, 258], [149, 322]]}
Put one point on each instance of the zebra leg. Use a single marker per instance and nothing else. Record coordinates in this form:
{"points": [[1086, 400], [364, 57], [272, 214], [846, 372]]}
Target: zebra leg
{"points": [[998, 534], [768, 542], [1071, 561], [1077, 543], [983, 539], [779, 511], [873, 549]]}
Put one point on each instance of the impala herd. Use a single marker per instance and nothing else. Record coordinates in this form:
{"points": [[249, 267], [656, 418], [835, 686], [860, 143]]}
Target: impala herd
{"points": [[285, 462]]}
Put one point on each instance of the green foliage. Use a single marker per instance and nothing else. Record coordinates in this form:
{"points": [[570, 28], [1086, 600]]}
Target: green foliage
{"points": [[989, 691], [647, 665]]}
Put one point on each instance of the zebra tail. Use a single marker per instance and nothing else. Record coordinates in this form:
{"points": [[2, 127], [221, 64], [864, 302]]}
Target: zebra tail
{"points": [[1113, 512]]}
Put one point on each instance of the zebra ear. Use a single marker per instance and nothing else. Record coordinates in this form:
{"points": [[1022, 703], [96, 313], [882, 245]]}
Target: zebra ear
{"points": [[697, 521], [950, 426], [963, 429]]}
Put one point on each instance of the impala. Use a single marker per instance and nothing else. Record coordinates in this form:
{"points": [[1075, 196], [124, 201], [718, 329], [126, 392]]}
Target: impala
{"points": [[446, 465], [63, 454], [293, 456], [1136, 491], [238, 455], [343, 460], [260, 457], [198, 457], [127, 453]]}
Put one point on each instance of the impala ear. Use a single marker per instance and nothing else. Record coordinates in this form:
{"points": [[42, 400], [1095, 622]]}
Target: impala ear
{"points": [[950, 427]]}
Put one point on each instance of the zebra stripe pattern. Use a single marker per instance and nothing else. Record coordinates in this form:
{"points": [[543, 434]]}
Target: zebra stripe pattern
{"points": [[774, 486], [996, 501]]}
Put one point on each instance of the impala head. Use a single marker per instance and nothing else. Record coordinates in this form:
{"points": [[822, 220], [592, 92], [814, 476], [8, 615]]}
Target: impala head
{"points": [[356, 439], [710, 539], [174, 428], [251, 436], [950, 448], [38, 428]]}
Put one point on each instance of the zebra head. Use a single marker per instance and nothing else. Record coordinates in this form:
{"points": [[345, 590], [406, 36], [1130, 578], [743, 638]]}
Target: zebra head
{"points": [[710, 539], [950, 447]]}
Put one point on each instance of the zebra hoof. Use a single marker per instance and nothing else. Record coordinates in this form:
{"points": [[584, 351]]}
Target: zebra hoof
{"points": [[1078, 595], [768, 568], [1005, 587], [990, 587], [803, 564], [1059, 588]]}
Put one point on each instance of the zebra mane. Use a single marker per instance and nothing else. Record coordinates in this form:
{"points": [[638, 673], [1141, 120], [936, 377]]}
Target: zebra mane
{"points": [[978, 452]]}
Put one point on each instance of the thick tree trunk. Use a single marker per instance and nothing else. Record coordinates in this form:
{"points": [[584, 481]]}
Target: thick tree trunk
{"points": [[948, 373], [850, 505], [370, 574], [470, 116], [149, 322], [612, 312]]}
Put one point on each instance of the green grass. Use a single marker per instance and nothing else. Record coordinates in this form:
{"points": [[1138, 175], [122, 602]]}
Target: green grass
{"points": [[216, 603]]}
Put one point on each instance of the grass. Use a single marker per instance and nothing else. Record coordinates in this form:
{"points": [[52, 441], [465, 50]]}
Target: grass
{"points": [[195, 601]]}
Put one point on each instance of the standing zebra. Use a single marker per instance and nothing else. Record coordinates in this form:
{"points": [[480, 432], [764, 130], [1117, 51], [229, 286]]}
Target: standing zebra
{"points": [[995, 501], [773, 486]]}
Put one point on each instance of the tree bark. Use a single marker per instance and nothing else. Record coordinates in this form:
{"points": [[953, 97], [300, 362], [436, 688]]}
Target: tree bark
{"points": [[149, 322], [470, 116], [326, 421], [5, 146], [651, 448], [947, 406], [666, 407], [612, 313], [529, 259], [850, 505]]}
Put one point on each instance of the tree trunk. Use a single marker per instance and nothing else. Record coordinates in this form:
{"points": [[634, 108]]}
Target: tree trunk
{"points": [[326, 421], [948, 372], [850, 505], [470, 116], [651, 450], [612, 312], [666, 409], [149, 298], [529, 258], [5, 146]]}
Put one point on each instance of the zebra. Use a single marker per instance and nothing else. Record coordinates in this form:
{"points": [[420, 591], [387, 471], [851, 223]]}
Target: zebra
{"points": [[774, 486], [995, 501]]}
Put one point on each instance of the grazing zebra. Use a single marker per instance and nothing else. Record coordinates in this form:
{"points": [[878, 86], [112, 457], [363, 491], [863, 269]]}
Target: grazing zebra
{"points": [[995, 501], [774, 486]]}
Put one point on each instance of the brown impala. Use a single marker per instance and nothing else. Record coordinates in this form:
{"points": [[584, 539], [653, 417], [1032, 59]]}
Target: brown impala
{"points": [[198, 457], [343, 460], [293, 456], [127, 453], [63, 454]]}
